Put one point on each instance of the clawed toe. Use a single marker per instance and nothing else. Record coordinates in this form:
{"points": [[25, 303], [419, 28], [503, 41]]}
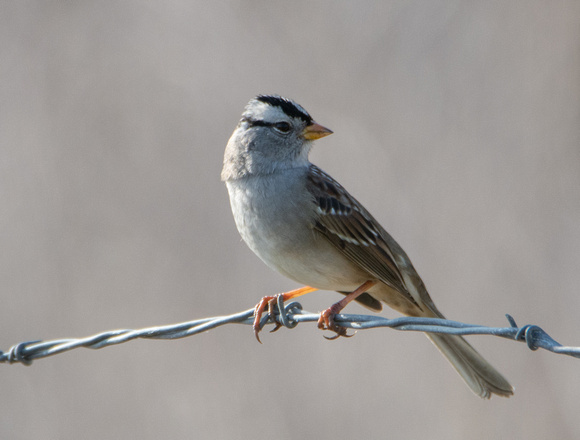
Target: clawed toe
{"points": [[268, 302], [326, 322], [277, 327], [340, 331]]}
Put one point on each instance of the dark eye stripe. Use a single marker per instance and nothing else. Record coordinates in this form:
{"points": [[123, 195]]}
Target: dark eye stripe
{"points": [[284, 127], [256, 123]]}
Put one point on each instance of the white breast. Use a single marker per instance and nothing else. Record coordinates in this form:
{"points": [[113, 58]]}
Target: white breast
{"points": [[276, 220]]}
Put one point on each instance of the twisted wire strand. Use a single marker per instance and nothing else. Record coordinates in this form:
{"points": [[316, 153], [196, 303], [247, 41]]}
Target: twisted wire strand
{"points": [[292, 314]]}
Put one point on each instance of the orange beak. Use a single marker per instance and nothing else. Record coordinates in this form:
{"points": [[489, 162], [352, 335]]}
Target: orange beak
{"points": [[315, 131]]}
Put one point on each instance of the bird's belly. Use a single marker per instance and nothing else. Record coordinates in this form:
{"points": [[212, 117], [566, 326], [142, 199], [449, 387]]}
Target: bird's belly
{"points": [[324, 269], [298, 252]]}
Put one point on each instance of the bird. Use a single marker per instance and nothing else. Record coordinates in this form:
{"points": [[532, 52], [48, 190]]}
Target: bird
{"points": [[302, 223]]}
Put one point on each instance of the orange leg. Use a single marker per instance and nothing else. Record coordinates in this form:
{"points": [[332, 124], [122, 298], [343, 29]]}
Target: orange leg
{"points": [[326, 320], [270, 303]]}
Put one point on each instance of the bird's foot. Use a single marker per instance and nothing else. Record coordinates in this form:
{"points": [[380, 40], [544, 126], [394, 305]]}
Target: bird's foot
{"points": [[326, 322], [269, 302]]}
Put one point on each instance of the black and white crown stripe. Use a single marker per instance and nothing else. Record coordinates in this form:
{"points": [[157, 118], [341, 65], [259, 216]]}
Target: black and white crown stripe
{"points": [[290, 108]]}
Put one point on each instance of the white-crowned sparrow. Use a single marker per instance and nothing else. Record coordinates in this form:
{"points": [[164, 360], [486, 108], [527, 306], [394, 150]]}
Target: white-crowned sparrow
{"points": [[305, 225]]}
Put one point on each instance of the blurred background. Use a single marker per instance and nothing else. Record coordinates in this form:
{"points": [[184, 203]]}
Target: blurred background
{"points": [[457, 124]]}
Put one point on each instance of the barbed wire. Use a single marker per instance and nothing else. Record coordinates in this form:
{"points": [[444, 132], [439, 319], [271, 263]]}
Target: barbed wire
{"points": [[292, 314]]}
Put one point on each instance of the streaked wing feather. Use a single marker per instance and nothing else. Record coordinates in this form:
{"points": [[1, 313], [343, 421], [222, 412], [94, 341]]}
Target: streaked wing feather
{"points": [[348, 226]]}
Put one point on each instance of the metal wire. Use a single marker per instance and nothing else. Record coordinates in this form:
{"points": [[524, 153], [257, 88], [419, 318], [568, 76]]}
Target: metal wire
{"points": [[292, 314]]}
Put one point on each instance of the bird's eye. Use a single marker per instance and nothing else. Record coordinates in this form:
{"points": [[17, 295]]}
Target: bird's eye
{"points": [[282, 127]]}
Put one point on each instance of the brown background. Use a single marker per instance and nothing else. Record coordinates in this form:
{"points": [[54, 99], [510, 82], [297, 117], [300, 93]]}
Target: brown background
{"points": [[456, 123]]}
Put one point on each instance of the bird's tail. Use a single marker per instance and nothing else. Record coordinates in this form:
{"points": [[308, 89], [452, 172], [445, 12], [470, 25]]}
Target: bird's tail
{"points": [[481, 377]]}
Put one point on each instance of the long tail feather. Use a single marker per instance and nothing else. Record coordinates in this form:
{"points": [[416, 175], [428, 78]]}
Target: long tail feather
{"points": [[481, 377]]}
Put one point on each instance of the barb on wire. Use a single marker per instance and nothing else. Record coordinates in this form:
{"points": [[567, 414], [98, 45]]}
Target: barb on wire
{"points": [[291, 315]]}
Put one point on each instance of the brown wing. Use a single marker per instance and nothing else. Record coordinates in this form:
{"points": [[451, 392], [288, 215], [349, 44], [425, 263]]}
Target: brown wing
{"points": [[351, 228]]}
